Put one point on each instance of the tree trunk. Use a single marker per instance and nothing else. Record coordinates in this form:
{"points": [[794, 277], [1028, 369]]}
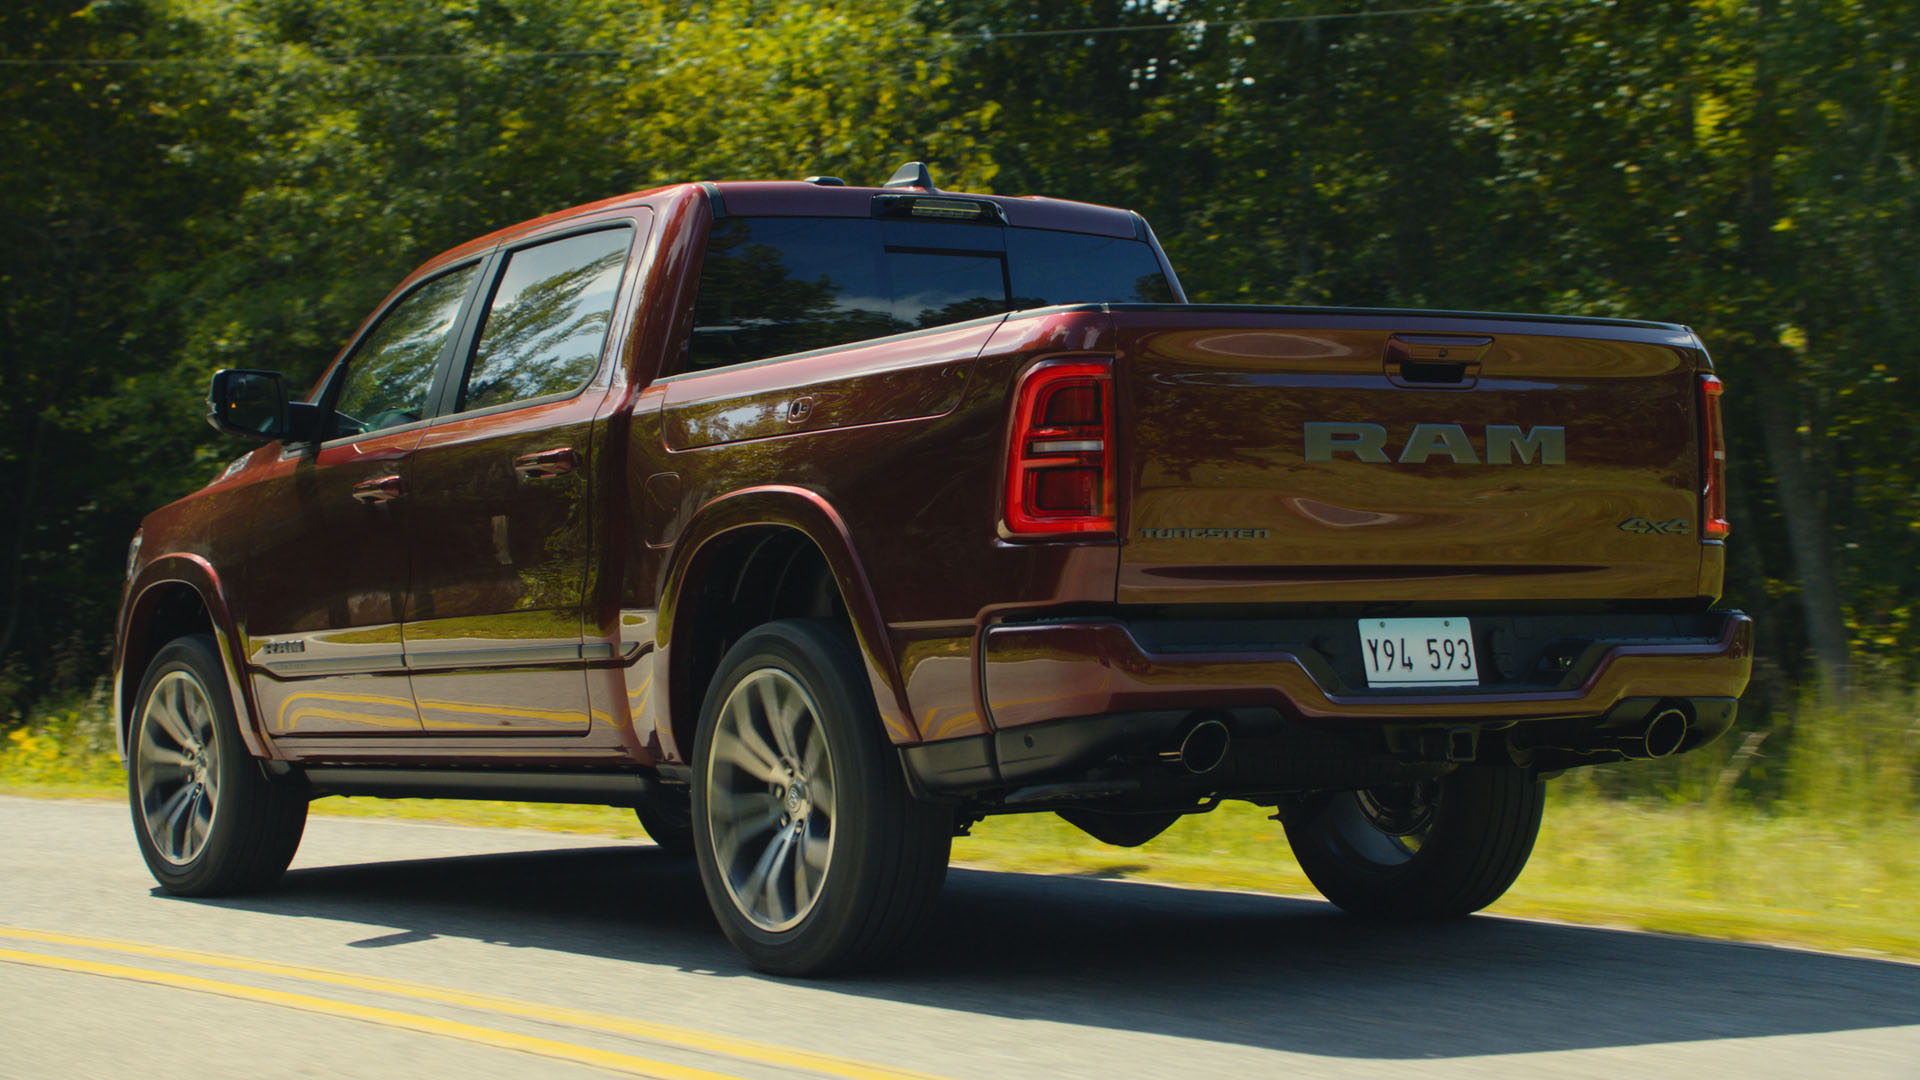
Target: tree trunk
{"points": [[16, 586], [1809, 537], [1778, 379]]}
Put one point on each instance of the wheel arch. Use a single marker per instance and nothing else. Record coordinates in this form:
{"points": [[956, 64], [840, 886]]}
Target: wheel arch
{"points": [[757, 555], [174, 596]]}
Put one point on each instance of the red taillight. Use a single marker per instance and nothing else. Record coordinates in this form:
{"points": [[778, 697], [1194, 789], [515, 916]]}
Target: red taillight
{"points": [[1060, 463], [1713, 462]]}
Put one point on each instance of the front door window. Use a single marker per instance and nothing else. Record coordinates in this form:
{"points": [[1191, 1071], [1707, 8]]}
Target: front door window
{"points": [[390, 374]]}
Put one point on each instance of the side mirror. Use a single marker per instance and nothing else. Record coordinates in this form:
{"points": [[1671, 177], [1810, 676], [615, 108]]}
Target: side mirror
{"points": [[253, 405]]}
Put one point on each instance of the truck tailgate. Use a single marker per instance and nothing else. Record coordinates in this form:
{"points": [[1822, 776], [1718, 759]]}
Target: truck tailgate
{"points": [[1299, 455]]}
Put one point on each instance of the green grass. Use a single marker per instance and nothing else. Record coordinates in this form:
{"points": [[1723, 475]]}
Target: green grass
{"points": [[1647, 865], [1822, 852], [64, 750]]}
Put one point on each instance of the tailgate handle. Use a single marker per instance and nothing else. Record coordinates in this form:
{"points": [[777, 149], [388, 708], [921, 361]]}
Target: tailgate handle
{"points": [[1435, 359]]}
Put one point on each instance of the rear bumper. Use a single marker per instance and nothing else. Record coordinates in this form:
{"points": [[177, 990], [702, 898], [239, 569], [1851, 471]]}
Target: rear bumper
{"points": [[1094, 708], [1038, 672]]}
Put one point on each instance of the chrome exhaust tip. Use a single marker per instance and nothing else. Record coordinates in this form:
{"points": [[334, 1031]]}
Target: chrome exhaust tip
{"points": [[1204, 746], [1666, 731]]}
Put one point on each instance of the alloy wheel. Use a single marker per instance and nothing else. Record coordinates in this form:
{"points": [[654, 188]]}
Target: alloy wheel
{"points": [[178, 767], [771, 806]]}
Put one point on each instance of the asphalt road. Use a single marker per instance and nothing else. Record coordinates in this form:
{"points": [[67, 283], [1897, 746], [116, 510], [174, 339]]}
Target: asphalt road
{"points": [[396, 950]]}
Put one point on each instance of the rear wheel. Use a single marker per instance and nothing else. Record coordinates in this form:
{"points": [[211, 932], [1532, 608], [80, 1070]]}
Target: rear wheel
{"points": [[814, 856], [207, 819], [1439, 848]]}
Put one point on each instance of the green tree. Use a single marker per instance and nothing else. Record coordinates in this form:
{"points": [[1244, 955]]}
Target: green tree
{"points": [[246, 193], [92, 250]]}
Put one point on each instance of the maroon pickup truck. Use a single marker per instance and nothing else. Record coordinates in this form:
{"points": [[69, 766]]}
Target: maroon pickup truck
{"points": [[815, 523]]}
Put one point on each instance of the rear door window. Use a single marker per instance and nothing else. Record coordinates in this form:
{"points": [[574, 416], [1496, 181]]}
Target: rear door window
{"points": [[547, 320]]}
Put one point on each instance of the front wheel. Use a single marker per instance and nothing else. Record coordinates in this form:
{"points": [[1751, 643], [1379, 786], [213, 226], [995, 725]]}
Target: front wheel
{"points": [[208, 821], [667, 816], [814, 855], [1433, 849]]}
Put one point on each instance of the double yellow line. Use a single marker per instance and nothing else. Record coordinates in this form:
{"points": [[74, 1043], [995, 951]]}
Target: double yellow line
{"points": [[615, 1061]]}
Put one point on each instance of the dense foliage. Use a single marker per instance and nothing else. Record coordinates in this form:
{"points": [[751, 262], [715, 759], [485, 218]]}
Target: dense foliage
{"points": [[195, 184]]}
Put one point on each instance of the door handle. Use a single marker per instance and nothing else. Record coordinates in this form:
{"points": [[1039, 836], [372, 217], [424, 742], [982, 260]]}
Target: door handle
{"points": [[384, 489], [545, 464]]}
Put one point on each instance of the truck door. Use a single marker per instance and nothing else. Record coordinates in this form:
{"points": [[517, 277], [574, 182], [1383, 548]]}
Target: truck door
{"points": [[324, 572], [502, 514]]}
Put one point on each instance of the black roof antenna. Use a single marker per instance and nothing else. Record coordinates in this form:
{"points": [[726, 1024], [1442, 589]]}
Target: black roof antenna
{"points": [[913, 174]]}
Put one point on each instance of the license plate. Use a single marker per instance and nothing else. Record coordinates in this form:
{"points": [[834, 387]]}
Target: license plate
{"points": [[1418, 652]]}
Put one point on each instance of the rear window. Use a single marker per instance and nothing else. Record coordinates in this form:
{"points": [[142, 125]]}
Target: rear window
{"points": [[773, 286], [1074, 268]]}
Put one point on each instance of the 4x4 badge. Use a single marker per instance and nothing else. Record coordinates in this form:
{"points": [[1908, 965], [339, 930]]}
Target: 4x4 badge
{"points": [[1676, 527]]}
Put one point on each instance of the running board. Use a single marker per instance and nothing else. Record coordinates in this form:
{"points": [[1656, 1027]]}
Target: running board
{"points": [[599, 788]]}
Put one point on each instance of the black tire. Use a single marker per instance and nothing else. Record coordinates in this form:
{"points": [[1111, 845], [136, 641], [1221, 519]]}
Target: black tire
{"points": [[667, 815], [1438, 849], [814, 855], [208, 820]]}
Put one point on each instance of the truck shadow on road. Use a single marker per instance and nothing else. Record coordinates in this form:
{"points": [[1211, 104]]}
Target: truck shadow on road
{"points": [[1268, 972]]}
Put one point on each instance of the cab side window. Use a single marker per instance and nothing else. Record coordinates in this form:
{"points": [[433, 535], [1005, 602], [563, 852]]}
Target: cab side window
{"points": [[390, 373], [547, 320]]}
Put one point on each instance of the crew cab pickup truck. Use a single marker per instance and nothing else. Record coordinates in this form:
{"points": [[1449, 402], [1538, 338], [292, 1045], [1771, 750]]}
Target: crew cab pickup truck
{"points": [[815, 523]]}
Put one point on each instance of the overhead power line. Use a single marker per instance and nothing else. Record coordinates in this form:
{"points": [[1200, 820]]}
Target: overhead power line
{"points": [[982, 35], [1229, 24]]}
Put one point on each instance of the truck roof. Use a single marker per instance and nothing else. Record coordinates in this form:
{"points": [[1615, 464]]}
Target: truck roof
{"points": [[801, 198]]}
